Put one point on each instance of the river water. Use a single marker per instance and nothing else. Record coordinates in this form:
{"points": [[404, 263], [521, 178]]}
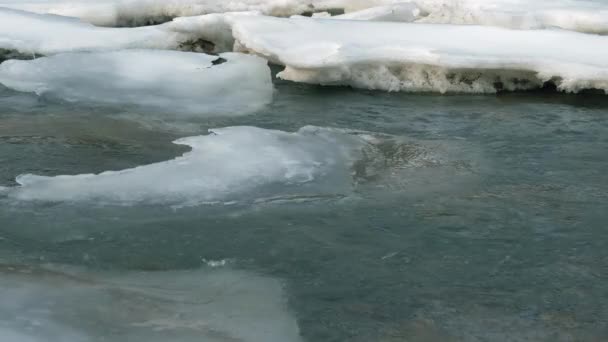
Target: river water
{"points": [[478, 218]]}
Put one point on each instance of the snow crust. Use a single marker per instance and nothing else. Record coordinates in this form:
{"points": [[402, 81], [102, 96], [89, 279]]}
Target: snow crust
{"points": [[425, 57], [229, 164], [578, 15], [53, 303], [406, 12], [48, 34], [168, 81], [141, 12]]}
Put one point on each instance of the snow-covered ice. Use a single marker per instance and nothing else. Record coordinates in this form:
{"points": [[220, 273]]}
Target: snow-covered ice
{"points": [[406, 12], [226, 165], [578, 15], [425, 57], [47, 34], [589, 16], [168, 81], [53, 303], [140, 12]]}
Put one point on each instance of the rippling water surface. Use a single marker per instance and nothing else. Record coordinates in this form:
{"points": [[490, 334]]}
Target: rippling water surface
{"points": [[470, 218]]}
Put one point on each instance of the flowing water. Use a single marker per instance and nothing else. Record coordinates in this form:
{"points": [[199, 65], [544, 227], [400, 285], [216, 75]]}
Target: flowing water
{"points": [[471, 218]]}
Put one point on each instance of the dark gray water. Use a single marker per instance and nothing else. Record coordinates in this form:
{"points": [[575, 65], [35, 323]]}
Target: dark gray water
{"points": [[494, 229]]}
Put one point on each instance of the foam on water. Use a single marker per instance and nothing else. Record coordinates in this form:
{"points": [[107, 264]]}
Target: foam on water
{"points": [[54, 303], [168, 81]]}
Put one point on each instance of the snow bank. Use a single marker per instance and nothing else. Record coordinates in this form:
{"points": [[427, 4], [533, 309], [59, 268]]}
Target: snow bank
{"points": [[41, 304], [229, 164], [167, 81], [142, 12], [425, 57], [406, 12], [48, 34], [576, 15]]}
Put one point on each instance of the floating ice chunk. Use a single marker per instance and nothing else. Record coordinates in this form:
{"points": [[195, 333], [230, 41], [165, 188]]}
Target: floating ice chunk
{"points": [[168, 81], [425, 57], [40, 304], [228, 164]]}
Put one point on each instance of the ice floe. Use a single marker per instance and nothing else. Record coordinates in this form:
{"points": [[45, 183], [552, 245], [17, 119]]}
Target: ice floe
{"points": [[52, 303], [229, 164], [425, 57], [168, 81]]}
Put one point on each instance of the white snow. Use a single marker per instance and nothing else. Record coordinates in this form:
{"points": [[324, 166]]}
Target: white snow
{"points": [[52, 303], [139, 12], [425, 57], [168, 81], [47, 34], [589, 16], [225, 165], [576, 15], [406, 12]]}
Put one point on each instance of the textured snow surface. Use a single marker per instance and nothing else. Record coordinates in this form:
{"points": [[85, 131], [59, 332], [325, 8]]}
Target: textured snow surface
{"points": [[168, 81], [47, 34], [425, 57], [225, 165], [406, 12], [578, 15], [139, 12], [51, 303]]}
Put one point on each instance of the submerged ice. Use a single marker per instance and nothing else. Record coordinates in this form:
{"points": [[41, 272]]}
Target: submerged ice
{"points": [[226, 165], [425, 57], [51, 303], [168, 81], [249, 165]]}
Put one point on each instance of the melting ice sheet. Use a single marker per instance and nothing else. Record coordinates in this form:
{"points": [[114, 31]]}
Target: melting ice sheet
{"points": [[168, 81], [42, 304], [229, 164], [425, 57], [248, 165]]}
